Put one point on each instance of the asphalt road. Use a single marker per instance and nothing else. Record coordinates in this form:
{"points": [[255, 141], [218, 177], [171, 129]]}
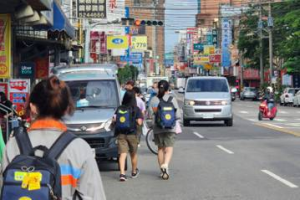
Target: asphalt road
{"points": [[249, 161]]}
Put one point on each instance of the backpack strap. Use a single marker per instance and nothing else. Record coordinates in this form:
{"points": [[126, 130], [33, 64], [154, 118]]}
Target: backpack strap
{"points": [[60, 144], [23, 141], [170, 99]]}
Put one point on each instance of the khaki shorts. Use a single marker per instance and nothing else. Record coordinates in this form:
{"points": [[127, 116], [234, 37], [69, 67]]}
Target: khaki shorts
{"points": [[164, 139], [127, 143]]}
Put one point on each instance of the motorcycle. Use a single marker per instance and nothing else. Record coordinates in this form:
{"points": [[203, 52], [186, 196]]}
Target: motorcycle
{"points": [[264, 111]]}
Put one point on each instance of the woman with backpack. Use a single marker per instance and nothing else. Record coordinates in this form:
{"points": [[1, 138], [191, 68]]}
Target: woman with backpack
{"points": [[165, 111], [79, 176], [128, 117]]}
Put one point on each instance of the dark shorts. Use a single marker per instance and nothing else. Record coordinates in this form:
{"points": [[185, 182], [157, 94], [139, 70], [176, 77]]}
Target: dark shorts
{"points": [[127, 143], [164, 139]]}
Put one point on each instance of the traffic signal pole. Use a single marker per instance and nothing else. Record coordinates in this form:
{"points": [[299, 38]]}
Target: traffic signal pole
{"points": [[270, 25], [261, 64]]}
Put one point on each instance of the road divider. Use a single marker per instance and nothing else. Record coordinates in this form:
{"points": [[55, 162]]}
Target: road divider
{"points": [[278, 178], [224, 149]]}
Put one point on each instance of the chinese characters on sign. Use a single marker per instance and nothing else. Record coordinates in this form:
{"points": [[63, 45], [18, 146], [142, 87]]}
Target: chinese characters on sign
{"points": [[226, 41], [19, 91], [139, 43], [112, 5], [5, 45], [91, 9]]}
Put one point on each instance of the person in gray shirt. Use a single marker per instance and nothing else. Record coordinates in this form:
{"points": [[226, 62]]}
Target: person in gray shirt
{"points": [[163, 138]]}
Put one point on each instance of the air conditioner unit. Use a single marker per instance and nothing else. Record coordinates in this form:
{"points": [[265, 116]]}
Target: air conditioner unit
{"points": [[23, 12]]}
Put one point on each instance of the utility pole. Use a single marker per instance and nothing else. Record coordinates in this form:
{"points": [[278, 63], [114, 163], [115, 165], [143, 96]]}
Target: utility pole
{"points": [[270, 25], [260, 29], [154, 53]]}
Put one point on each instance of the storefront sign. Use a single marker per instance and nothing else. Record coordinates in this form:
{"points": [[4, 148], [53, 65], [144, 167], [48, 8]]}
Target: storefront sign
{"points": [[19, 91], [91, 9], [5, 45], [216, 58], [226, 41], [215, 37], [139, 43], [117, 42], [198, 47], [209, 49], [198, 59], [26, 70]]}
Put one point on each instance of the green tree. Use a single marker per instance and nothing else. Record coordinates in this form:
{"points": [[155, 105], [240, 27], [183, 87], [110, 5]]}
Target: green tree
{"points": [[129, 72]]}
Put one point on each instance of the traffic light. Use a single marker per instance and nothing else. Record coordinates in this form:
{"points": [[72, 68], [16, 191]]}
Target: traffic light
{"points": [[148, 23]]}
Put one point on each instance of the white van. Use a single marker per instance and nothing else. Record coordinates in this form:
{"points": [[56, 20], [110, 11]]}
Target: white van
{"points": [[207, 99]]}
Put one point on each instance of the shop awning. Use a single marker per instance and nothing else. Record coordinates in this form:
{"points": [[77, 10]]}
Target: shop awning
{"points": [[40, 4], [61, 22]]}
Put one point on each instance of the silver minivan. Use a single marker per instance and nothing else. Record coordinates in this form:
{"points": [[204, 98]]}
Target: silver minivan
{"points": [[207, 99], [96, 94]]}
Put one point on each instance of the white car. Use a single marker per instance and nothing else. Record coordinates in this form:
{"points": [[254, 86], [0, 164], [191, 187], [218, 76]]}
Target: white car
{"points": [[296, 102], [287, 96]]}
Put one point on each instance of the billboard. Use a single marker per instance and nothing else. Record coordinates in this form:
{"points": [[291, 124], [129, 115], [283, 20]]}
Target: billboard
{"points": [[139, 43], [91, 9], [117, 42], [5, 45]]}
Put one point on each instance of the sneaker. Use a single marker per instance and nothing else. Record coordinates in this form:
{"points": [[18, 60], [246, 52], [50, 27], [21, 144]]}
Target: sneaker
{"points": [[135, 175], [165, 172], [123, 177]]}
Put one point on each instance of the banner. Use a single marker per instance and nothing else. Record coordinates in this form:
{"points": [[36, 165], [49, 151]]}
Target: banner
{"points": [[19, 90], [198, 59], [139, 43], [117, 42], [42, 67], [5, 45], [215, 58], [226, 41]]}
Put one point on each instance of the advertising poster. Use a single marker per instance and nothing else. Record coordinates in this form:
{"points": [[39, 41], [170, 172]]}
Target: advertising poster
{"points": [[19, 90], [42, 68], [117, 42], [5, 45], [139, 43]]}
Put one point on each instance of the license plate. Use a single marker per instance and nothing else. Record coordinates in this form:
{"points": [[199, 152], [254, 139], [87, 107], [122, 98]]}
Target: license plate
{"points": [[94, 152], [208, 116]]}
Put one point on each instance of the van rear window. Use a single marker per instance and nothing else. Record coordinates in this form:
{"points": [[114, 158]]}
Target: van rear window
{"points": [[207, 85]]}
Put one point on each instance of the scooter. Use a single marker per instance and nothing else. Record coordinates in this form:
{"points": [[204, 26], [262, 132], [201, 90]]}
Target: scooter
{"points": [[264, 111]]}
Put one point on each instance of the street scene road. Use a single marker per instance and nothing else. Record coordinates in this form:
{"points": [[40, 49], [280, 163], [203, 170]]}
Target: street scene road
{"points": [[249, 161]]}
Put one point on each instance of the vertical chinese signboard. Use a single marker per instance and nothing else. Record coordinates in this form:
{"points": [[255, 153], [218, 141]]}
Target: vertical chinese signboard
{"points": [[91, 9], [18, 90], [42, 67], [5, 45], [226, 41]]}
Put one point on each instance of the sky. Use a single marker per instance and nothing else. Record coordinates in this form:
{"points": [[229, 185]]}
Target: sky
{"points": [[179, 15]]}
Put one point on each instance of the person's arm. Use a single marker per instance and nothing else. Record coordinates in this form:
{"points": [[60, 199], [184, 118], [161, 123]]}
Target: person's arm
{"points": [[178, 111], [139, 117], [90, 185]]}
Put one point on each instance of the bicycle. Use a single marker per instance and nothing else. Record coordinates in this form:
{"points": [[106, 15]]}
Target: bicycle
{"points": [[150, 140]]}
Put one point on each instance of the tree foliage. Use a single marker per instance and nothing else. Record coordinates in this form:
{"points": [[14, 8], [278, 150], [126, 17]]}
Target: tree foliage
{"points": [[129, 72]]}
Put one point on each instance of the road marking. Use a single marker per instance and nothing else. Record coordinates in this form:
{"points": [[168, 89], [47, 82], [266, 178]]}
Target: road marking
{"points": [[197, 134], [244, 112], [283, 112], [294, 133], [253, 120], [224, 149], [278, 178], [274, 125], [280, 120]]}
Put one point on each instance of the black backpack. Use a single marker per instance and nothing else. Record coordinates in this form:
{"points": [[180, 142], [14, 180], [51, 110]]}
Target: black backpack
{"points": [[125, 117], [32, 177], [165, 117]]}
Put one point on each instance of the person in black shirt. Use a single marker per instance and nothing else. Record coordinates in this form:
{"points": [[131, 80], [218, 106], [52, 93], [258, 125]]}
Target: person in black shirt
{"points": [[6, 109], [129, 141]]}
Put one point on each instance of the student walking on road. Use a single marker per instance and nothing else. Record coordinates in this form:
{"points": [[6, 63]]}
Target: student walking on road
{"points": [[49, 101], [127, 117], [165, 111]]}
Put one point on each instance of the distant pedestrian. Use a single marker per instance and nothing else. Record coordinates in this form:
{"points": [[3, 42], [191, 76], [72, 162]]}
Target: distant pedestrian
{"points": [[164, 138], [49, 101], [141, 105], [127, 117]]}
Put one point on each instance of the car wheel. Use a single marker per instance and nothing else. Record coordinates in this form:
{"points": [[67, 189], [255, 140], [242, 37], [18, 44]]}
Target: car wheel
{"points": [[229, 122], [186, 122]]}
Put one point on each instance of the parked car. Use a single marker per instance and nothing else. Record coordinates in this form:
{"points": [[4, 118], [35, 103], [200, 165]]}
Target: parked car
{"points": [[207, 99], [287, 97], [249, 93], [180, 90], [95, 92], [296, 101]]}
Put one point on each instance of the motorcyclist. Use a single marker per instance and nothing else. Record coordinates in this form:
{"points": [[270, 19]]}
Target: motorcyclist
{"points": [[269, 97]]}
